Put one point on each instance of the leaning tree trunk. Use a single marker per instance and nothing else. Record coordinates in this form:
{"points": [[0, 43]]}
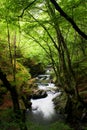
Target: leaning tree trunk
{"points": [[14, 96]]}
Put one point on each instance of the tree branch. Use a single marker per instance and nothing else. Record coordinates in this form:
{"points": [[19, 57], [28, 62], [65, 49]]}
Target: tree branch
{"points": [[62, 13], [26, 8], [42, 25]]}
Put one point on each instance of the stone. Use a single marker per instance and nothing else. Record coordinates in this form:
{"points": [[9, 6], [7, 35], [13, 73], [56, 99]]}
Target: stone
{"points": [[39, 94]]}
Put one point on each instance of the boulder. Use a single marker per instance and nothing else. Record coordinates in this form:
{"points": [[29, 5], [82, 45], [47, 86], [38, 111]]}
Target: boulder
{"points": [[39, 94], [35, 68]]}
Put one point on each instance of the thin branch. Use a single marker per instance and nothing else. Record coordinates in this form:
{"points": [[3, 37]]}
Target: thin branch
{"points": [[26, 8], [42, 25], [38, 43]]}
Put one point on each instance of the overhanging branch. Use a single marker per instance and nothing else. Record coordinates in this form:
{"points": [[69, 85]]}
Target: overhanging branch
{"points": [[62, 13]]}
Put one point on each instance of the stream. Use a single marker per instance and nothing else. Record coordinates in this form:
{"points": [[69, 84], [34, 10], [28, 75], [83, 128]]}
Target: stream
{"points": [[43, 111]]}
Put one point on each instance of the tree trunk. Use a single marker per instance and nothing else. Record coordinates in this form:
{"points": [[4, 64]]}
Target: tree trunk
{"points": [[9, 44], [14, 96]]}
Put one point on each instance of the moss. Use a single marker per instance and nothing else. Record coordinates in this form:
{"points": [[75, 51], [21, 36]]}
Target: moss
{"points": [[22, 75]]}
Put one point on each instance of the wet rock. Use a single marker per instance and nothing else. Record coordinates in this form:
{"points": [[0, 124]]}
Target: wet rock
{"points": [[39, 94], [35, 68], [34, 108]]}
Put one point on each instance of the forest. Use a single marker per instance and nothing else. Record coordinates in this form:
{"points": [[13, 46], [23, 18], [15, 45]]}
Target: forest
{"points": [[43, 64]]}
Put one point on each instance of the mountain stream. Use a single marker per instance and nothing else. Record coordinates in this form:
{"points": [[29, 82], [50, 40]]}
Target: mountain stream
{"points": [[43, 111]]}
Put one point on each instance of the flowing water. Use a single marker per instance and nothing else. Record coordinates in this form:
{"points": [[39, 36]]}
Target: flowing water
{"points": [[43, 111]]}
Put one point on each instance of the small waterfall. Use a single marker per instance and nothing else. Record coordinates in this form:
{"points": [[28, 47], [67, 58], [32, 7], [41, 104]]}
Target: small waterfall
{"points": [[43, 110]]}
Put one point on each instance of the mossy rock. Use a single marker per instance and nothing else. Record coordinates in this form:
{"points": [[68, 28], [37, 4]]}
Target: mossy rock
{"points": [[60, 102], [35, 67], [22, 75]]}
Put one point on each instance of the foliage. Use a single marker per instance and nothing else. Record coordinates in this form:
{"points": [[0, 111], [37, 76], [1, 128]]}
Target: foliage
{"points": [[36, 20], [54, 126], [22, 74], [7, 120], [60, 126]]}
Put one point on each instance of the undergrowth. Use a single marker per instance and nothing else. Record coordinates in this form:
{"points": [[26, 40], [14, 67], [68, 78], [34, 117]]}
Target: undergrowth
{"points": [[8, 122]]}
